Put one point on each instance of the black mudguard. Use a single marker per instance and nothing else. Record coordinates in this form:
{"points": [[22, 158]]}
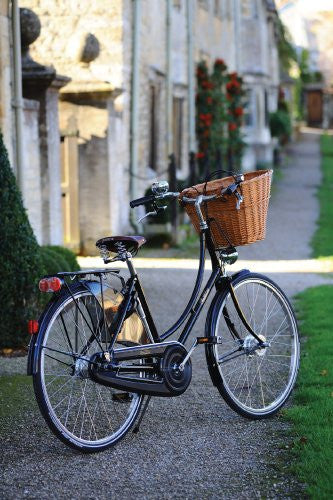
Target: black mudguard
{"points": [[42, 322], [222, 290]]}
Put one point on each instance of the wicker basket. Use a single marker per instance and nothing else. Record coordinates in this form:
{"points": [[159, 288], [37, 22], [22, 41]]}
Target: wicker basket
{"points": [[230, 226]]}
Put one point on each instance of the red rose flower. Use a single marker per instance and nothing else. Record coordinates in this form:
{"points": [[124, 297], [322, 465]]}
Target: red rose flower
{"points": [[220, 64], [209, 100], [200, 154], [232, 127], [238, 111]]}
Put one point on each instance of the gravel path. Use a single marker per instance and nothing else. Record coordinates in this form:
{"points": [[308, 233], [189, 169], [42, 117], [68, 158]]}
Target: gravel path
{"points": [[192, 446]]}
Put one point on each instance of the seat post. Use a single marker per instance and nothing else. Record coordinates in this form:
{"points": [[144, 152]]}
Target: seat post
{"points": [[130, 265]]}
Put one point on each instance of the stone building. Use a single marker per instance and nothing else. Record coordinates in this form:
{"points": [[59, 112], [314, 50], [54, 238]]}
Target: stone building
{"points": [[310, 25], [121, 98]]}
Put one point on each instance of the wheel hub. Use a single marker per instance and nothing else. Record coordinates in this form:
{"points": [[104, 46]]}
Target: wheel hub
{"points": [[252, 346], [81, 368]]}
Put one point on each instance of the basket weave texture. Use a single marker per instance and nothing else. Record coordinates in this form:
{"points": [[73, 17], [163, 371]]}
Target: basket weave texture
{"points": [[230, 226]]}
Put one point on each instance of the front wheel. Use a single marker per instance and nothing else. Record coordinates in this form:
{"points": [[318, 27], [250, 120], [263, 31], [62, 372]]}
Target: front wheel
{"points": [[255, 381], [82, 413]]}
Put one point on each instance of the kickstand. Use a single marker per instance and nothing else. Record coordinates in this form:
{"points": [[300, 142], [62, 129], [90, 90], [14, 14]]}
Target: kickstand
{"points": [[143, 411]]}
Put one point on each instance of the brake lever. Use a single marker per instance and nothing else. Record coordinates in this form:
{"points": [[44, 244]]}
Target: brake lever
{"points": [[154, 212]]}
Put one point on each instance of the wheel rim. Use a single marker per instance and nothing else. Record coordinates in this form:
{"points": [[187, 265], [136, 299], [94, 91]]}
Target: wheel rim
{"points": [[258, 380], [86, 413]]}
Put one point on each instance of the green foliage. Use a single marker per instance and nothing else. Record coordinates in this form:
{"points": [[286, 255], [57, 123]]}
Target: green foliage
{"points": [[21, 262], [312, 412], [322, 242], [234, 95], [219, 115], [280, 124], [63, 256], [218, 130], [286, 49]]}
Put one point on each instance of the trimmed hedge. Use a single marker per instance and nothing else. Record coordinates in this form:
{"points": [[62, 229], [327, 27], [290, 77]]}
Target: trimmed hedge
{"points": [[21, 260], [67, 255], [24, 262]]}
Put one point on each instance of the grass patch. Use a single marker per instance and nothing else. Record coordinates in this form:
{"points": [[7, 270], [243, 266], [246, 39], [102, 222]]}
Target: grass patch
{"points": [[15, 397], [322, 242], [312, 412]]}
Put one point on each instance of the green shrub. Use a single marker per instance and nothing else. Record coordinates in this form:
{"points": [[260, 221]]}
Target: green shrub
{"points": [[21, 261], [53, 262], [57, 258], [280, 125]]}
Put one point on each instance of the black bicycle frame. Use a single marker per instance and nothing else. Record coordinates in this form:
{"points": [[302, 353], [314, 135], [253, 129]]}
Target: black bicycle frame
{"points": [[192, 309]]}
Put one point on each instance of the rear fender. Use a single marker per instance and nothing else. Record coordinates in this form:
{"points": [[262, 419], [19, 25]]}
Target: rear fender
{"points": [[32, 363]]}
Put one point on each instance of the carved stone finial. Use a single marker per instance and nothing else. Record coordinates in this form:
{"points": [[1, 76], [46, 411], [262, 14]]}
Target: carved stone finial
{"points": [[30, 29], [89, 48]]}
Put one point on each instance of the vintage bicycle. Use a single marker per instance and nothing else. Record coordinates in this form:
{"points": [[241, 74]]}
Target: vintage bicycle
{"points": [[96, 355]]}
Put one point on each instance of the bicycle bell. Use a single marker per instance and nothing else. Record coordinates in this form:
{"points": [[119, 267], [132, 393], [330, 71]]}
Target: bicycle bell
{"points": [[160, 187]]}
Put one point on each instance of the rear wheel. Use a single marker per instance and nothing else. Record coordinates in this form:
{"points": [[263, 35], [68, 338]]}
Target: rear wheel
{"points": [[254, 381], [83, 414]]}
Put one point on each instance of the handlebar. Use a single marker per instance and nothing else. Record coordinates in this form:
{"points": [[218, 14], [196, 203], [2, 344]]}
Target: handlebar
{"points": [[199, 199], [152, 198], [142, 201]]}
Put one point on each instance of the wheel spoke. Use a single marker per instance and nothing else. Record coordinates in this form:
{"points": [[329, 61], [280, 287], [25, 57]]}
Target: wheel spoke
{"points": [[81, 411], [260, 380]]}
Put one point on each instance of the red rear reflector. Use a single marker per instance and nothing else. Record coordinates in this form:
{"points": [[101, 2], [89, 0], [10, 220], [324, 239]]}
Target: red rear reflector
{"points": [[43, 285], [33, 326], [50, 284], [55, 284]]}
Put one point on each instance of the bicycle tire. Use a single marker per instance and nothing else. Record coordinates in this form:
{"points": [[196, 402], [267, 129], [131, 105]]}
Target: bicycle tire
{"points": [[81, 413], [254, 382]]}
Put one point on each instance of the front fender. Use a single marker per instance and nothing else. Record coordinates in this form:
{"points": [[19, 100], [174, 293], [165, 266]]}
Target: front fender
{"points": [[222, 290]]}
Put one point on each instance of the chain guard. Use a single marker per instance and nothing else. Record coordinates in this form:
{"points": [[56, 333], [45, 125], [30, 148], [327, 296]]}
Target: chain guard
{"points": [[162, 379]]}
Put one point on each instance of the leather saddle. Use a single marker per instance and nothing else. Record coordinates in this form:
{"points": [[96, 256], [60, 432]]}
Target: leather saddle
{"points": [[114, 243]]}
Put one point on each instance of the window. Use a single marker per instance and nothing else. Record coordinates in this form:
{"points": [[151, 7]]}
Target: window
{"points": [[249, 109], [178, 129], [153, 129], [266, 109]]}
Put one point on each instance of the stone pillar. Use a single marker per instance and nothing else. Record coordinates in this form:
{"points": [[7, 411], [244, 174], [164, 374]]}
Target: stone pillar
{"points": [[31, 180], [6, 125], [42, 84]]}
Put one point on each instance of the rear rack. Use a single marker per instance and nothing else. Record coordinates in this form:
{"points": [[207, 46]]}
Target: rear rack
{"points": [[84, 272]]}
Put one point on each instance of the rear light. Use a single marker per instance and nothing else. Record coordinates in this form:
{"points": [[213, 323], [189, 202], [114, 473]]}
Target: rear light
{"points": [[53, 284], [33, 326]]}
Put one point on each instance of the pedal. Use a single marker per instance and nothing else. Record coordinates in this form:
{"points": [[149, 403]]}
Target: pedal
{"points": [[209, 340]]}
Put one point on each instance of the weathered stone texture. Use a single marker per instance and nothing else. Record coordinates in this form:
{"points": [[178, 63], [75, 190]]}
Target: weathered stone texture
{"points": [[102, 120], [32, 196], [6, 118], [64, 22]]}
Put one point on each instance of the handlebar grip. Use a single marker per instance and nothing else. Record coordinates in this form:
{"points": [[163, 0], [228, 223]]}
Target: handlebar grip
{"points": [[142, 201]]}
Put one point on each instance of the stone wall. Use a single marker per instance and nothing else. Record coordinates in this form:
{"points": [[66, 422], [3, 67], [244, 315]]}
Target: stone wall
{"points": [[6, 119], [104, 149], [259, 66]]}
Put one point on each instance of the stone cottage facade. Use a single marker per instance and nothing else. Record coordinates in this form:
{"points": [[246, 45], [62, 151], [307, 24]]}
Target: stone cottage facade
{"points": [[120, 99]]}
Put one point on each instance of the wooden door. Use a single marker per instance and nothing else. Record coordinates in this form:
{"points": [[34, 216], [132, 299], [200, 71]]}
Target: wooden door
{"points": [[70, 192], [315, 107]]}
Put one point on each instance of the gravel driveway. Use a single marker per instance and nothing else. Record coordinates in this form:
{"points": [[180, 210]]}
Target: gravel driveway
{"points": [[192, 446]]}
